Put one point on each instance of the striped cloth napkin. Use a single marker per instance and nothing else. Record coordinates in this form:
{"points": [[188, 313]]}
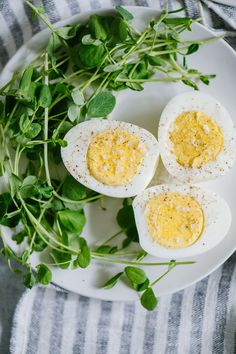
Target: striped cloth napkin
{"points": [[199, 319]]}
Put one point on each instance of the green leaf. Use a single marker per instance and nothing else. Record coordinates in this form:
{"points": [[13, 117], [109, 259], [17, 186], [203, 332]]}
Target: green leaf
{"points": [[15, 184], [27, 186], [54, 44], [141, 287], [105, 249], [112, 282], [124, 13], [19, 237], [206, 78], [2, 169], [113, 250], [61, 259], [2, 113], [7, 206], [25, 81], [42, 190], [101, 105], [66, 32], [193, 71], [179, 21], [135, 86], [191, 84], [135, 275], [33, 130], [62, 88], [73, 112], [72, 220], [112, 68], [97, 28], [127, 201], [29, 280], [84, 257], [88, 56], [140, 71], [77, 97], [44, 274], [88, 40], [45, 97], [127, 241], [24, 122], [132, 233], [192, 48], [149, 300], [119, 30], [39, 245], [74, 190], [125, 217], [156, 61]]}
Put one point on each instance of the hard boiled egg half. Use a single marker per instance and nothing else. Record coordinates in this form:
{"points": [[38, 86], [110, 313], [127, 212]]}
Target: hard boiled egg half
{"points": [[177, 221], [197, 137], [111, 157]]}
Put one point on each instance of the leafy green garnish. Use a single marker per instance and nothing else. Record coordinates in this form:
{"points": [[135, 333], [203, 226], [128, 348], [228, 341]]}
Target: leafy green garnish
{"points": [[149, 300], [71, 220], [44, 274], [73, 79], [124, 13], [135, 275], [84, 257], [101, 105], [113, 281], [29, 280]]}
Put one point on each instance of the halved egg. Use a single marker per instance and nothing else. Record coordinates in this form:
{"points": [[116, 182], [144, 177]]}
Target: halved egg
{"points": [[111, 157], [177, 221], [197, 137]]}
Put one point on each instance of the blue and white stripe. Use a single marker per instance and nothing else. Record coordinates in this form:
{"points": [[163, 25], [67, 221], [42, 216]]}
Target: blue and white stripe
{"points": [[199, 319]]}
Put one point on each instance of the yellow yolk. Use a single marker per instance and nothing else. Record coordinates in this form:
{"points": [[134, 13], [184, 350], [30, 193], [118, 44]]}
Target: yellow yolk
{"points": [[196, 139], [114, 157], [174, 220]]}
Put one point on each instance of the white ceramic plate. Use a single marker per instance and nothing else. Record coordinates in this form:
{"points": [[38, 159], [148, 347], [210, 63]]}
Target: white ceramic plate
{"points": [[144, 108]]}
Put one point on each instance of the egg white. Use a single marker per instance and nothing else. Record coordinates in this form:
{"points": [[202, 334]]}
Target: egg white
{"points": [[217, 222], [74, 156], [195, 101]]}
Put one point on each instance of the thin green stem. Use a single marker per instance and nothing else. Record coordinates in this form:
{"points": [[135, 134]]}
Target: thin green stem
{"points": [[42, 230], [163, 275], [111, 237], [120, 261], [82, 201], [48, 178], [57, 115], [169, 79], [40, 15]]}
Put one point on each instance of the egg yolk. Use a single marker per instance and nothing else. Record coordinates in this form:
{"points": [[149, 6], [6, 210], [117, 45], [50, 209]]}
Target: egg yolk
{"points": [[114, 157], [196, 139], [174, 220]]}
